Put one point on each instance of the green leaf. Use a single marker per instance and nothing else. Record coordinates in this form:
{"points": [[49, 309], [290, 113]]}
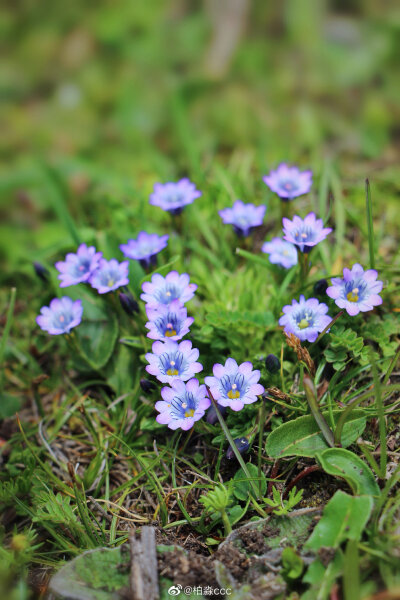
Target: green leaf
{"points": [[347, 465], [322, 577], [292, 563], [242, 485], [133, 342], [344, 518], [302, 436], [98, 332]]}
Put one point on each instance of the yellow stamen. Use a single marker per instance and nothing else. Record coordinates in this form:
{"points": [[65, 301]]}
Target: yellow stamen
{"points": [[353, 295], [189, 413], [172, 372], [304, 324], [170, 333], [110, 282]]}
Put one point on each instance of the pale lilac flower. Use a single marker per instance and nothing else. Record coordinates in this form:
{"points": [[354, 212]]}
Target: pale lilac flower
{"points": [[164, 290], [289, 182], [243, 217], [281, 252], [110, 275], [170, 360], [78, 267], [305, 319], [234, 385], [305, 233], [174, 196], [182, 405], [145, 248], [168, 322], [61, 316], [358, 291]]}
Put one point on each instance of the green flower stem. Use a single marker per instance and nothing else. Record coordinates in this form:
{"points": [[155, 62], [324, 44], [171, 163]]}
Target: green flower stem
{"points": [[381, 418], [352, 405], [260, 442], [232, 444], [226, 522], [311, 394], [304, 265], [335, 318]]}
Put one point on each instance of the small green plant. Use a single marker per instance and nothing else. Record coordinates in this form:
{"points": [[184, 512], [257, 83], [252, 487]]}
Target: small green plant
{"points": [[218, 500], [280, 505]]}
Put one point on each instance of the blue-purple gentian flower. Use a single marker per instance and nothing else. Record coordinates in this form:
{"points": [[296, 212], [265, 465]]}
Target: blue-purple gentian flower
{"points": [[170, 360], [243, 217], [281, 252], [145, 248], [305, 319], [110, 275], [174, 196], [234, 385], [61, 316], [305, 233], [358, 291], [164, 290], [168, 322], [182, 404], [78, 267], [289, 182]]}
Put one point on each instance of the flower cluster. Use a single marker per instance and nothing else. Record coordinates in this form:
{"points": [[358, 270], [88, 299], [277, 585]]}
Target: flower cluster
{"points": [[175, 362]]}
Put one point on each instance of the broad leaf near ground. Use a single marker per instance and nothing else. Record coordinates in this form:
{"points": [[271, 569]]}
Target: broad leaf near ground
{"points": [[303, 437], [347, 465], [344, 518], [97, 334]]}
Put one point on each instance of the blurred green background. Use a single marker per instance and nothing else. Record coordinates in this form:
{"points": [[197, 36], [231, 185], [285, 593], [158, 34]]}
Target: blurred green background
{"points": [[115, 96]]}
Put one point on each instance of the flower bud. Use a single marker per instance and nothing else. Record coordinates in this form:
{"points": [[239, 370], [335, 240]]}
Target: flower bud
{"points": [[320, 287], [211, 417], [147, 386], [241, 443], [272, 364], [128, 303], [41, 271]]}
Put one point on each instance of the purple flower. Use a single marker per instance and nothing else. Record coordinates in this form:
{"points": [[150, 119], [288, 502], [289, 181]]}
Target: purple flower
{"points": [[305, 233], [289, 182], [234, 385], [172, 196], [305, 319], [170, 360], [110, 275], [243, 217], [281, 252], [78, 267], [168, 322], [145, 248], [182, 404], [61, 316], [358, 291], [164, 290]]}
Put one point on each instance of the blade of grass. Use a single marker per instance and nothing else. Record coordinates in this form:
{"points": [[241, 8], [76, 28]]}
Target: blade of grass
{"points": [[6, 333], [370, 225]]}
